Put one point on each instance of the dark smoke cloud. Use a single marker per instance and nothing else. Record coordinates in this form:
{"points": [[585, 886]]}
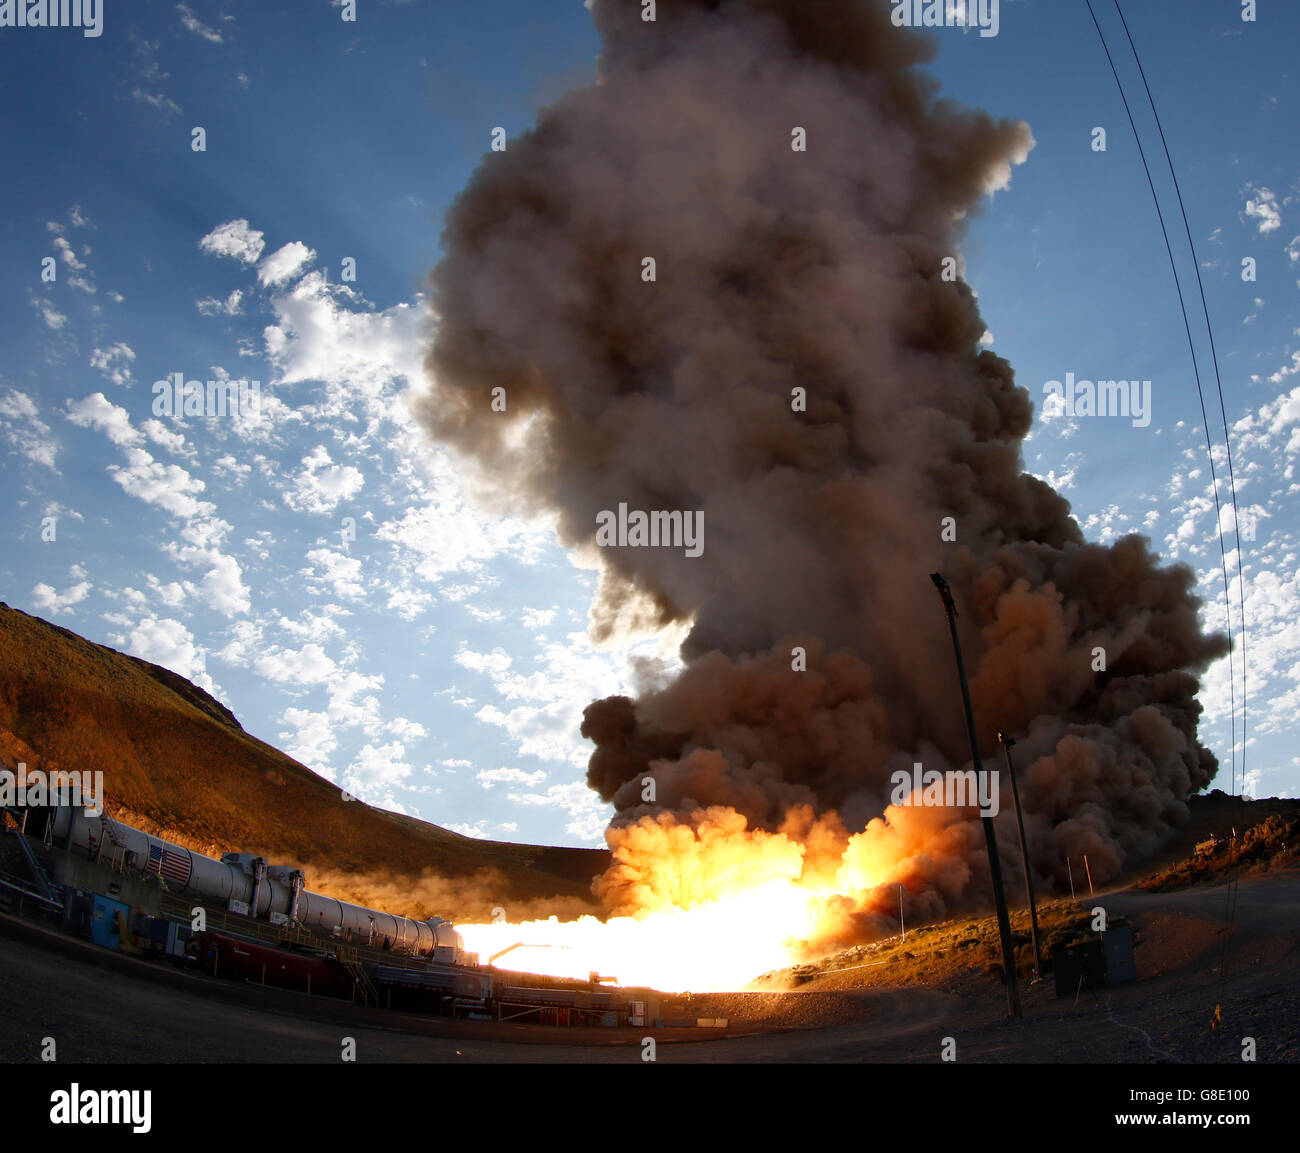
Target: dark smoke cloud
{"points": [[819, 270]]}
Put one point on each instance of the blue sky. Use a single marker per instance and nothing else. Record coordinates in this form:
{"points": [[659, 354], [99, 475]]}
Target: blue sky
{"points": [[321, 568]]}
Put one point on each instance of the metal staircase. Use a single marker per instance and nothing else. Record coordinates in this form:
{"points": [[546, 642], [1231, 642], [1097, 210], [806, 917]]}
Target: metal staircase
{"points": [[361, 981], [45, 889]]}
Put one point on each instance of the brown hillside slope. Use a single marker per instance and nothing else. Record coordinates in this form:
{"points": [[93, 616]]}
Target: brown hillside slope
{"points": [[177, 763]]}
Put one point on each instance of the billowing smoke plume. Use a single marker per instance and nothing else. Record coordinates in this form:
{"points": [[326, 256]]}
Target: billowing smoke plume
{"points": [[801, 372]]}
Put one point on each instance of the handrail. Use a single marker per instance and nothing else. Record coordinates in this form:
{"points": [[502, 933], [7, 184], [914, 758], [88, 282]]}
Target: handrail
{"points": [[369, 994], [47, 886]]}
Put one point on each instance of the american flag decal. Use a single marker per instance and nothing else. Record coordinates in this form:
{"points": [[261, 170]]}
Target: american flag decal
{"points": [[172, 864]]}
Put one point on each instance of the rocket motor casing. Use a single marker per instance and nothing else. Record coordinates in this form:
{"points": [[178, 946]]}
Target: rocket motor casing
{"points": [[245, 877]]}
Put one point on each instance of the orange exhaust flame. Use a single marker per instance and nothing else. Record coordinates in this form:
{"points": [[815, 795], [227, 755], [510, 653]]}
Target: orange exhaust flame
{"points": [[710, 905], [719, 945]]}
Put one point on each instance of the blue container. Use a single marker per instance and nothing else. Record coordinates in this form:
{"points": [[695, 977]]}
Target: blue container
{"points": [[103, 921]]}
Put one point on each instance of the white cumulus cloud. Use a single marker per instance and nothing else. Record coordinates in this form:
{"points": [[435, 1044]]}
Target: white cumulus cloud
{"points": [[285, 263], [322, 484], [235, 238]]}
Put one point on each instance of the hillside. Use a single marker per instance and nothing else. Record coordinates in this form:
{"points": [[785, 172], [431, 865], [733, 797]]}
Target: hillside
{"points": [[178, 764]]}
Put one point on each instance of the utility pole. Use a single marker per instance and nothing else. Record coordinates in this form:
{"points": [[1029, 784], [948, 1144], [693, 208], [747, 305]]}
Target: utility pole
{"points": [[1007, 745], [990, 837]]}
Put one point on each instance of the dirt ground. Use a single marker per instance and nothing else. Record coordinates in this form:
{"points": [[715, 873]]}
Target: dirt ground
{"points": [[130, 1013]]}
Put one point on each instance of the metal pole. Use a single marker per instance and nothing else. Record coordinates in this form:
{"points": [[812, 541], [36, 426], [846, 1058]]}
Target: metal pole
{"points": [[1071, 868], [901, 926], [990, 837], [1007, 743], [1091, 891]]}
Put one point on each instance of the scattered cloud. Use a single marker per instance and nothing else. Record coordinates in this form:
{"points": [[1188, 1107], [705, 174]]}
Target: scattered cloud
{"points": [[285, 263], [167, 642], [48, 599], [211, 306], [1261, 205], [236, 239], [193, 24], [22, 429], [322, 485], [489, 777], [114, 363]]}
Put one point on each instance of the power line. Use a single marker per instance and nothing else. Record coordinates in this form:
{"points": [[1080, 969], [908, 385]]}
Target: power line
{"points": [[1230, 911], [1218, 381], [1200, 392]]}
